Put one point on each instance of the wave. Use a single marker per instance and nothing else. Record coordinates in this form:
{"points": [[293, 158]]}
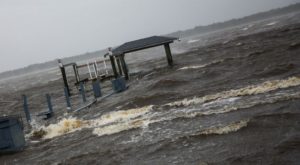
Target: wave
{"points": [[106, 124], [223, 102], [203, 65], [249, 90], [220, 130], [192, 67], [66, 125]]}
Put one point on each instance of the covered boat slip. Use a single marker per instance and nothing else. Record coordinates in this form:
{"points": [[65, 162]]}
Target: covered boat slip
{"points": [[117, 59], [117, 56]]}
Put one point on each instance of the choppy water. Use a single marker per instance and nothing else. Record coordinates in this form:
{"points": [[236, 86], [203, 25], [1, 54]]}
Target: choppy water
{"points": [[233, 101], [223, 102]]}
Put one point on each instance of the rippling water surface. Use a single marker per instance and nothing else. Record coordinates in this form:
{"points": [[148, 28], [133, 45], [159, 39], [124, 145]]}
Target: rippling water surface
{"points": [[233, 99]]}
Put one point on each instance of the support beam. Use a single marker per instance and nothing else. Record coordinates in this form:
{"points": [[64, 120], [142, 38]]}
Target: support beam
{"points": [[105, 67], [90, 72], [67, 99], [82, 92], [26, 110], [76, 73], [96, 88], [169, 54], [95, 69], [124, 66], [119, 65], [113, 65], [63, 72], [49, 103]]}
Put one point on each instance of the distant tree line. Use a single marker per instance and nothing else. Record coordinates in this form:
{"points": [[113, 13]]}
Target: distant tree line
{"points": [[235, 22]]}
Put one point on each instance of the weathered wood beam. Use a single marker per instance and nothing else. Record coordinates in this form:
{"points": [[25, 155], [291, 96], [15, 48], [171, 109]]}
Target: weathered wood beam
{"points": [[66, 84], [124, 66], [119, 65], [168, 54], [76, 73], [113, 65]]}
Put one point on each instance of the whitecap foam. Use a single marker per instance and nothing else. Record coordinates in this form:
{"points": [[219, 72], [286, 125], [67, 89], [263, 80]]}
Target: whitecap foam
{"points": [[249, 90], [223, 102], [64, 126], [192, 67], [220, 130], [192, 41], [271, 23], [108, 123]]}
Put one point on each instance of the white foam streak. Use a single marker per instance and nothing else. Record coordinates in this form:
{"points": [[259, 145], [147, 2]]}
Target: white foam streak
{"points": [[223, 102], [192, 41], [232, 127], [109, 123], [249, 90], [271, 23], [192, 67]]}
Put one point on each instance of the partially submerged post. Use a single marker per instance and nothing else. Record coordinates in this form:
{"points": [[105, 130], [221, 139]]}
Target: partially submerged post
{"points": [[82, 92], [47, 114], [119, 84], [124, 66], [49, 103], [169, 54], [26, 110], [97, 88], [63, 72], [119, 52], [67, 99]]}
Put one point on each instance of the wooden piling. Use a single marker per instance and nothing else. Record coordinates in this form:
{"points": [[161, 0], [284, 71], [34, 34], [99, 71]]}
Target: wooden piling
{"points": [[119, 65], [124, 66], [168, 54], [49, 103], [82, 92], [113, 65], [67, 99], [26, 110]]}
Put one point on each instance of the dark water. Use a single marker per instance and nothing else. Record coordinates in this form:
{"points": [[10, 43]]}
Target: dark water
{"points": [[233, 100]]}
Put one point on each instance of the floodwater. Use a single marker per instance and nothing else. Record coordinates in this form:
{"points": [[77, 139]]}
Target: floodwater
{"points": [[232, 97]]}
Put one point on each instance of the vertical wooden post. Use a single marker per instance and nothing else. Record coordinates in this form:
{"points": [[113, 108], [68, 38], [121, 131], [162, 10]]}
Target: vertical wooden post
{"points": [[63, 72], [96, 88], [95, 69], [124, 66], [76, 73], [119, 65], [113, 65], [105, 67], [26, 110], [82, 91], [67, 99], [50, 107], [169, 54], [90, 72]]}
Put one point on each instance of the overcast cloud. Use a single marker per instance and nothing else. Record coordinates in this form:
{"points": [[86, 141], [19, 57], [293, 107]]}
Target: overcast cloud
{"points": [[34, 31]]}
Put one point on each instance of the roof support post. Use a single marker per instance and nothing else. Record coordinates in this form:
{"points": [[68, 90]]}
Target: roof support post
{"points": [[119, 65], [113, 65], [169, 54], [124, 66]]}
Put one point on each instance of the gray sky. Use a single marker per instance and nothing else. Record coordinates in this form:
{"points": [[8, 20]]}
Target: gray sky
{"points": [[34, 31]]}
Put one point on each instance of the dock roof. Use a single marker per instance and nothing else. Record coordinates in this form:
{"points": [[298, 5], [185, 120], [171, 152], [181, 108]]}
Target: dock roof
{"points": [[142, 44]]}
